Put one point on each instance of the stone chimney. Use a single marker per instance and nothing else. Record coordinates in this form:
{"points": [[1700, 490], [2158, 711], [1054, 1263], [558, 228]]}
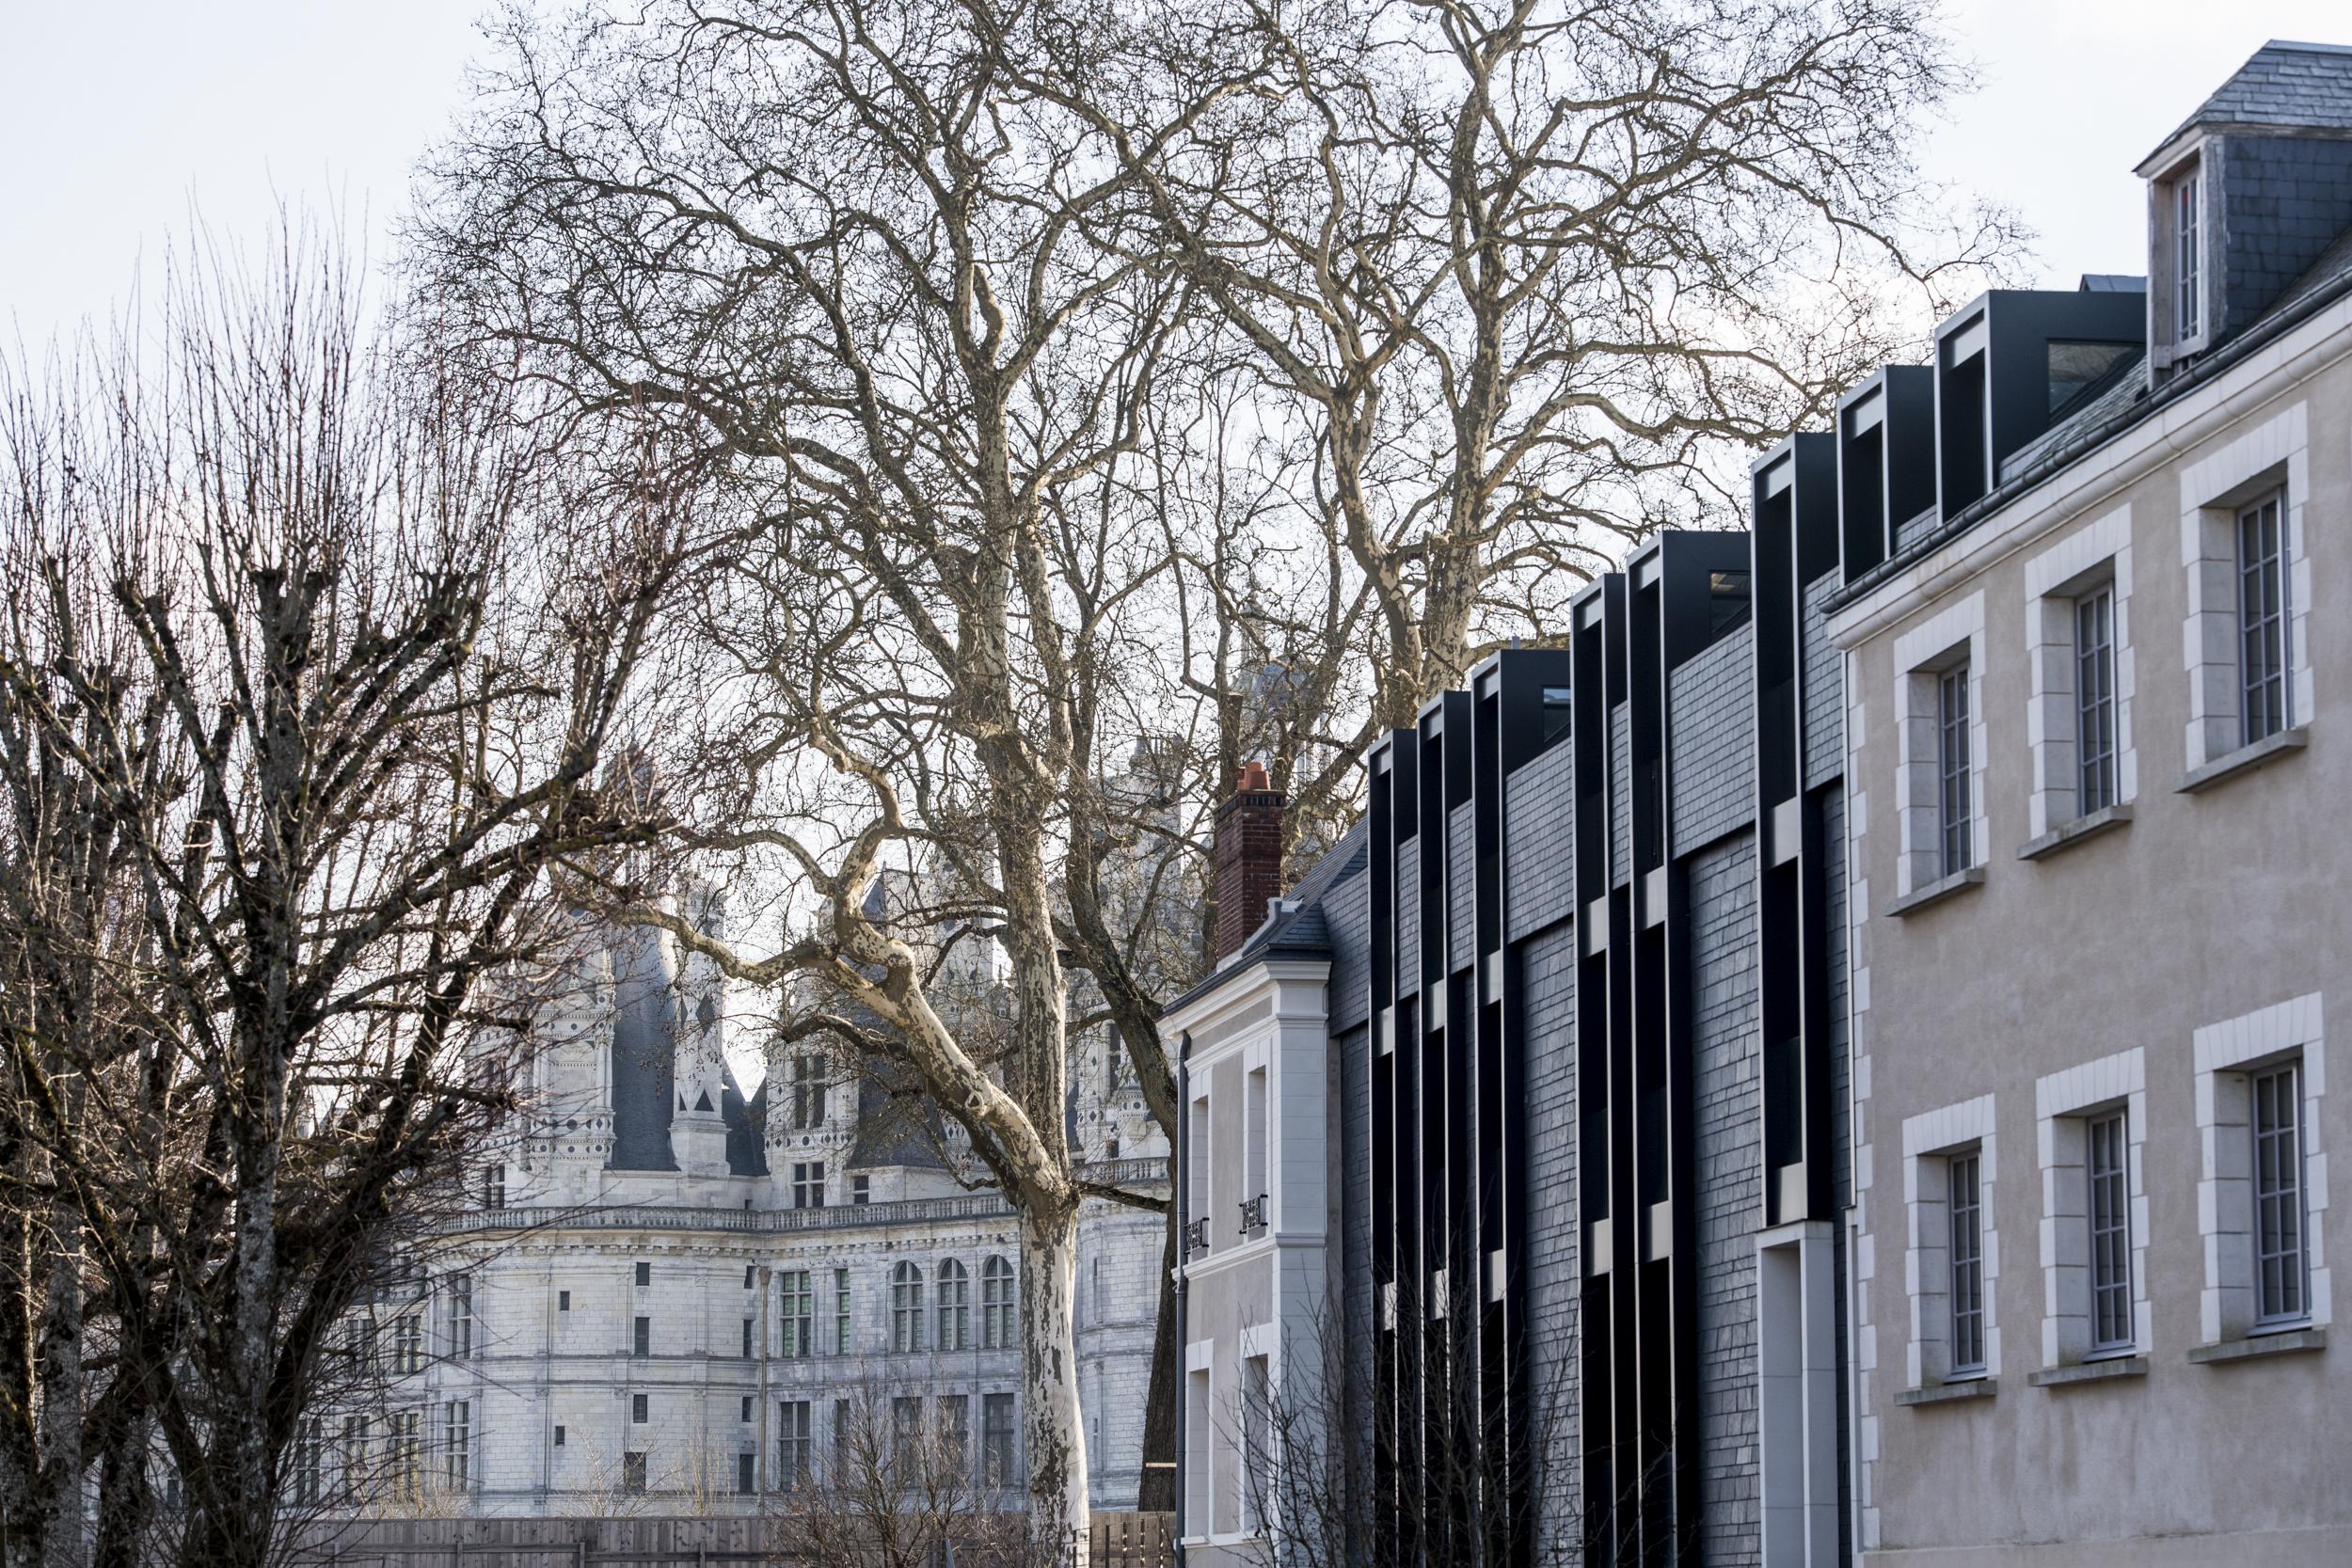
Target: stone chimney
{"points": [[1248, 858]]}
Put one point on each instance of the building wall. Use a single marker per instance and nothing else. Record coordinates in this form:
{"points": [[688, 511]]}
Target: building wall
{"points": [[2206, 908]]}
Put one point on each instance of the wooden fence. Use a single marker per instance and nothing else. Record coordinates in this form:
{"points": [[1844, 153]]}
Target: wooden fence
{"points": [[1120, 1540]]}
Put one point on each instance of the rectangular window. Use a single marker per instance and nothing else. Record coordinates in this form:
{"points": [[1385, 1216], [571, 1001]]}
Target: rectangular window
{"points": [[745, 1415], [808, 1094], [309, 1462], [406, 1471], [2263, 707], [808, 1184], [641, 1337], [792, 1445], [2280, 1258], [745, 1482], [644, 1275], [750, 1327], [355, 1456], [633, 1474], [558, 1437], [2188, 316], [2094, 700], [1953, 801], [1253, 1151], [494, 1186], [996, 1441], [843, 1342], [562, 1301], [751, 1276], [1967, 1259], [955, 1430], [458, 1443], [861, 1189], [638, 1412], [797, 1307], [2106, 1170], [461, 1316]]}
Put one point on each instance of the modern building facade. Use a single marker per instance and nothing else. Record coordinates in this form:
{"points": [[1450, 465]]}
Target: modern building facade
{"points": [[1520, 1120], [664, 1296], [2096, 868], [1611, 1144]]}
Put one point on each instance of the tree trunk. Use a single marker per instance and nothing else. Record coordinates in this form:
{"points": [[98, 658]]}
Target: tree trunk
{"points": [[1053, 1431]]}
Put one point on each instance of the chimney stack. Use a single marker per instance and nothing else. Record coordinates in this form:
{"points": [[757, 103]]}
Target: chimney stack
{"points": [[1248, 858]]}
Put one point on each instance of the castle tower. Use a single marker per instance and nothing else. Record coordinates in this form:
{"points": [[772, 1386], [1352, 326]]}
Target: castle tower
{"points": [[698, 1129], [570, 1113]]}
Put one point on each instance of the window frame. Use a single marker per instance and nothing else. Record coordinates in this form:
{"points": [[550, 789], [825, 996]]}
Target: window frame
{"points": [[906, 1308], [1964, 1258], [2108, 1214], [1000, 1300], [2266, 676], [2291, 1307], [2098, 716], [951, 1296]]}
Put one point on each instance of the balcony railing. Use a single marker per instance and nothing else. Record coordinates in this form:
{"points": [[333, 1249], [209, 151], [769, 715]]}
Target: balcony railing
{"points": [[1253, 1215], [1139, 1172], [1196, 1236]]}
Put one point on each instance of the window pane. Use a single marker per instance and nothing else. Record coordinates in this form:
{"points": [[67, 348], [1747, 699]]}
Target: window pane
{"points": [[2094, 700], [1953, 803], [1967, 1244], [2111, 1235], [2264, 708], [2279, 1272]]}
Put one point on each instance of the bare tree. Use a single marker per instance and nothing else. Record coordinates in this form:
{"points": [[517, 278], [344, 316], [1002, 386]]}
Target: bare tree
{"points": [[1517, 277], [901, 1487], [308, 668], [832, 242]]}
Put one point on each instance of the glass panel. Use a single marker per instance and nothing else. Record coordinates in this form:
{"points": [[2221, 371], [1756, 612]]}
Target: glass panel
{"points": [[2264, 706], [2279, 1263], [1953, 801], [2111, 1235], [1968, 1266], [2094, 700]]}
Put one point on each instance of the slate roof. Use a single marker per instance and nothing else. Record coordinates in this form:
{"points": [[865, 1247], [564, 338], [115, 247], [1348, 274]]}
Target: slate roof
{"points": [[2303, 85]]}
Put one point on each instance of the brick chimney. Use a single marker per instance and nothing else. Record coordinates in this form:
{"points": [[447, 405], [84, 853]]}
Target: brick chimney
{"points": [[1248, 858]]}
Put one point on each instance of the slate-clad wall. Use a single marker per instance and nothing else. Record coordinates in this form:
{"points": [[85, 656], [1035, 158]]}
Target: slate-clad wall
{"points": [[2285, 199], [1348, 919], [1539, 841], [1621, 795], [1722, 883], [1713, 742], [1825, 687], [1407, 914], [1546, 970], [1461, 892], [1912, 529]]}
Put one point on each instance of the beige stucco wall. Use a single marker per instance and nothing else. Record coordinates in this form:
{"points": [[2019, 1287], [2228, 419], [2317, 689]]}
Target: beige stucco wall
{"points": [[2205, 906]]}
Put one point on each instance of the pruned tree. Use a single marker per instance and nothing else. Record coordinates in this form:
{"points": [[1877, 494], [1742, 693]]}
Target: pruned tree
{"points": [[308, 673]]}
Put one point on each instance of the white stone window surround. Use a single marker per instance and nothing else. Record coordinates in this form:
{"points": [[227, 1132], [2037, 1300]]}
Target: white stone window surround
{"points": [[2064, 1103], [2096, 555], [1951, 636], [2226, 1055], [2273, 454], [1929, 1139]]}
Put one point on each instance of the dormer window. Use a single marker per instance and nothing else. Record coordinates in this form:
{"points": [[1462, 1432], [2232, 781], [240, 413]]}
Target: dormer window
{"points": [[2187, 316]]}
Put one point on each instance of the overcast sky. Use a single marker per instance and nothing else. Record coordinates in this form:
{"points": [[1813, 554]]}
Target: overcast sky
{"points": [[119, 116]]}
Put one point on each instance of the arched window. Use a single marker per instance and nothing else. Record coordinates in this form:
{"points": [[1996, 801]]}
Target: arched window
{"points": [[997, 1304], [906, 1308], [955, 1306]]}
